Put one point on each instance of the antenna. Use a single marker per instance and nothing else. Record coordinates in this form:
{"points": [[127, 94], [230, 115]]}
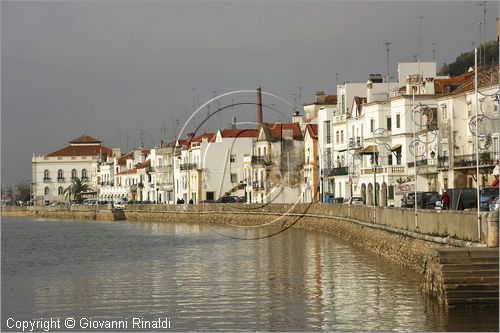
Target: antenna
{"points": [[433, 51], [420, 18], [388, 67], [141, 138], [336, 80]]}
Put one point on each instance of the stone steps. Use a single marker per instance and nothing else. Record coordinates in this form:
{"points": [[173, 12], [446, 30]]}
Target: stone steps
{"points": [[472, 273], [469, 266], [470, 276], [471, 286], [475, 301], [469, 260]]}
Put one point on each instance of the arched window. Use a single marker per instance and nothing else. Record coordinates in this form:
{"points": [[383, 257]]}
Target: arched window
{"points": [[46, 191], [46, 174], [60, 191], [73, 173], [60, 174], [84, 173]]}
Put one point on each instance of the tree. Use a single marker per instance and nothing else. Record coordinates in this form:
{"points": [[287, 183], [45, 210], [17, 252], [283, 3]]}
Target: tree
{"points": [[23, 191], [77, 187]]}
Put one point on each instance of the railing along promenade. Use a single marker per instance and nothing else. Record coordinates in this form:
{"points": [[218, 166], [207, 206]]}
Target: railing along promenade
{"points": [[451, 227]]}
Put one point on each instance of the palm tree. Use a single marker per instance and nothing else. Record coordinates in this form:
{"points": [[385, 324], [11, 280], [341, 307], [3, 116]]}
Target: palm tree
{"points": [[77, 187]]}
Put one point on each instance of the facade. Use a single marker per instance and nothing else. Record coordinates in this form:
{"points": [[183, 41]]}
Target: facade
{"points": [[310, 183], [52, 173], [273, 172]]}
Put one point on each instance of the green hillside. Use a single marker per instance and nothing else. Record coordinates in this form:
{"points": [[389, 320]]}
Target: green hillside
{"points": [[466, 60]]}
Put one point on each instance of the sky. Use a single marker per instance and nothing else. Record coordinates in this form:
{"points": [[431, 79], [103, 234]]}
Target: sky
{"points": [[133, 72]]}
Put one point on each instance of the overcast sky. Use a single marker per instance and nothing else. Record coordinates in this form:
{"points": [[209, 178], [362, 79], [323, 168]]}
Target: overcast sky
{"points": [[116, 69]]}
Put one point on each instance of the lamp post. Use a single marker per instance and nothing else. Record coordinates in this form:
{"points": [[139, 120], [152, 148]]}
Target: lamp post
{"points": [[157, 197]]}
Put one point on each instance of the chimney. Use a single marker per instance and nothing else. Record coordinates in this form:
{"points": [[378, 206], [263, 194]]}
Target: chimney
{"points": [[369, 91], [258, 116]]}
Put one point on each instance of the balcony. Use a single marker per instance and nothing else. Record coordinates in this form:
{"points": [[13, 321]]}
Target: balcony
{"points": [[61, 179], [164, 169], [395, 170], [443, 162], [258, 185], [258, 159], [47, 179], [425, 166], [369, 171], [188, 166], [340, 171], [469, 161]]}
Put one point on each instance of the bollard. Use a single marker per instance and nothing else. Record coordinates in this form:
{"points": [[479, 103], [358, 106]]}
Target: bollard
{"points": [[492, 221]]}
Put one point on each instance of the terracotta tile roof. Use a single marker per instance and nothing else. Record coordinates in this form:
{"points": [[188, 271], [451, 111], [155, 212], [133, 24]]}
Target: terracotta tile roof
{"points": [[147, 163], [488, 76], [83, 150], [130, 155], [122, 160], [240, 133], [331, 99], [275, 130], [210, 137], [313, 130], [85, 139], [128, 172]]}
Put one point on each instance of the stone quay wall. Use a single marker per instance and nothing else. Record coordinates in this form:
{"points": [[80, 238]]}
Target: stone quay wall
{"points": [[390, 232]]}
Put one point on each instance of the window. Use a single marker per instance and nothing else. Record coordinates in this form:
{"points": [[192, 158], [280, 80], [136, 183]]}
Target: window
{"points": [[372, 125], [234, 178], [84, 173], [60, 174], [46, 191], [326, 127], [444, 112], [342, 136], [233, 158], [469, 109], [60, 191], [210, 195], [73, 173], [398, 121], [46, 175], [389, 124]]}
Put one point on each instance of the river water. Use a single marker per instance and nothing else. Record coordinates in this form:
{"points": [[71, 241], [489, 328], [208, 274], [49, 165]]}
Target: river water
{"points": [[196, 279]]}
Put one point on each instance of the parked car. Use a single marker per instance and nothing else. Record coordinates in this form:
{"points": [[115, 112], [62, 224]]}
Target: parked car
{"points": [[488, 194], [241, 200], [119, 204], [227, 199], [208, 201], [433, 202], [494, 203], [354, 201]]}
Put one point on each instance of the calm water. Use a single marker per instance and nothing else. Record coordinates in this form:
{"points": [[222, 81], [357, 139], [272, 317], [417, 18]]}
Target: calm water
{"points": [[296, 281]]}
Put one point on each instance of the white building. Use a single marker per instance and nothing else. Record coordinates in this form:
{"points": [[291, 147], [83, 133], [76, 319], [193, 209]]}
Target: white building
{"points": [[52, 173]]}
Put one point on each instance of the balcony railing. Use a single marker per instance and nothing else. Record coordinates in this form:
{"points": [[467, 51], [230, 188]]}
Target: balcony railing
{"points": [[340, 171], [258, 185], [431, 161], [165, 168], [60, 179], [47, 179], [187, 166], [261, 159], [486, 158], [443, 162]]}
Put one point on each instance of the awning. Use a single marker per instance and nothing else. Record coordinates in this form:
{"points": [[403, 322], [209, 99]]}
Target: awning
{"points": [[495, 183], [369, 150], [396, 147]]}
